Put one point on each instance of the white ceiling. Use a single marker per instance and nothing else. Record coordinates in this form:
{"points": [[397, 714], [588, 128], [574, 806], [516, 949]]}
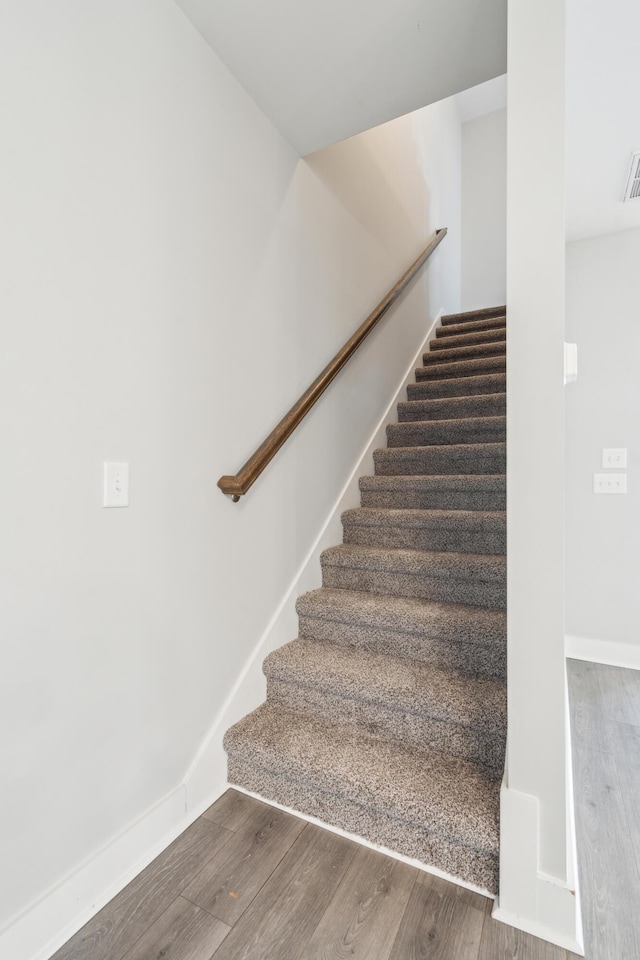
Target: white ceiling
{"points": [[327, 70], [603, 114]]}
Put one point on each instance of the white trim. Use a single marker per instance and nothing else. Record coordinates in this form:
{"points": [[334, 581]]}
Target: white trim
{"points": [[529, 899], [249, 691], [537, 930], [424, 867], [611, 652], [37, 932], [573, 879], [49, 922]]}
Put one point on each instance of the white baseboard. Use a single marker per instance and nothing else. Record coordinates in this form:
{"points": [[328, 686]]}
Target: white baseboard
{"points": [[611, 652], [542, 905], [573, 879], [249, 691], [61, 911], [537, 930]]}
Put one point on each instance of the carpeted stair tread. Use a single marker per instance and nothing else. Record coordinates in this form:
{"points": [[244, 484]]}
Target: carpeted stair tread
{"points": [[455, 492], [455, 623], [462, 368], [472, 326], [401, 685], [454, 798], [492, 335], [470, 315], [469, 351], [473, 531], [424, 433], [460, 386], [478, 579], [464, 566], [472, 641], [464, 458], [453, 408], [401, 699]]}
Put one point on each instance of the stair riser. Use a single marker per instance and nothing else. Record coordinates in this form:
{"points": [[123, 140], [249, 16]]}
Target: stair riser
{"points": [[470, 315], [400, 584], [470, 743], [468, 339], [432, 500], [444, 461], [464, 353], [488, 405], [409, 839], [491, 541], [461, 368], [457, 387], [473, 659], [424, 433]]}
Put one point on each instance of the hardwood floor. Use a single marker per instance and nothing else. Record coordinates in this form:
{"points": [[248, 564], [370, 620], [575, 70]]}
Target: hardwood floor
{"points": [[605, 720], [249, 882]]}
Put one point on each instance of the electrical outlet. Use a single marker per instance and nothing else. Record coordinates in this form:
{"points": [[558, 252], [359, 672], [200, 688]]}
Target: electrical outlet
{"points": [[609, 483], [614, 458]]}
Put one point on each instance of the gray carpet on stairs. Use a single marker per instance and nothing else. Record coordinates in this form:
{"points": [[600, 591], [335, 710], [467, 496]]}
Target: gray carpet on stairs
{"points": [[472, 492], [472, 315], [453, 408], [460, 386], [454, 369], [484, 335], [469, 327], [386, 717], [467, 351]]}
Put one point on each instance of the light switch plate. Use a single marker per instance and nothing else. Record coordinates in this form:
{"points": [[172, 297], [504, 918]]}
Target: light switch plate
{"points": [[116, 485], [614, 458], [609, 483]]}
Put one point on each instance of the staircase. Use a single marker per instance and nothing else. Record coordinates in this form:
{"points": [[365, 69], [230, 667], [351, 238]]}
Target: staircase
{"points": [[387, 716]]}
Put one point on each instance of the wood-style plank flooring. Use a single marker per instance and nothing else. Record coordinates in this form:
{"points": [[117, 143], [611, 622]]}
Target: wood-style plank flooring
{"points": [[249, 882], [605, 722]]}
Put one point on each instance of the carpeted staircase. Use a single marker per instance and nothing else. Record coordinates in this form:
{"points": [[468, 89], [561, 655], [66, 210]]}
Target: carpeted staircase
{"points": [[387, 716]]}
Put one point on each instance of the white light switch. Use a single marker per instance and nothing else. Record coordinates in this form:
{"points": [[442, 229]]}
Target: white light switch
{"points": [[609, 483], [614, 457], [116, 485]]}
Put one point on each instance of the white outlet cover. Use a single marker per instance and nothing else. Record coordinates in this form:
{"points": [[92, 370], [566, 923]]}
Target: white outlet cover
{"points": [[609, 483], [116, 485], [614, 458]]}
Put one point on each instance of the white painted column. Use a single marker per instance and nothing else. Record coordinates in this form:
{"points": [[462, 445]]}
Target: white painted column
{"points": [[536, 871]]}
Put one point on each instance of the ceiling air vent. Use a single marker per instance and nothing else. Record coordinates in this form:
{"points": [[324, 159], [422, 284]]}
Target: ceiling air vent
{"points": [[633, 183]]}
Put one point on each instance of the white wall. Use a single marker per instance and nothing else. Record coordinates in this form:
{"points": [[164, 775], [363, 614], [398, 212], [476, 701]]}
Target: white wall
{"points": [[536, 880], [484, 211], [174, 277], [602, 548]]}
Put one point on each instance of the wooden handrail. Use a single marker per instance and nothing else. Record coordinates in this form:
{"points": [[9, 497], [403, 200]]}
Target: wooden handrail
{"points": [[236, 486]]}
